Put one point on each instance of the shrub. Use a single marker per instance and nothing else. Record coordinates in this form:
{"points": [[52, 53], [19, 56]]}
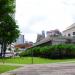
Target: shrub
{"points": [[54, 51]]}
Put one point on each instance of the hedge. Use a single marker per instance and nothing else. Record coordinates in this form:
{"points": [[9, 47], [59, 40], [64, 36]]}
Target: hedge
{"points": [[54, 51]]}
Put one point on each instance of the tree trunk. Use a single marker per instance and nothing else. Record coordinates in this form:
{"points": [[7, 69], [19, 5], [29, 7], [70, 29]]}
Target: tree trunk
{"points": [[3, 49]]}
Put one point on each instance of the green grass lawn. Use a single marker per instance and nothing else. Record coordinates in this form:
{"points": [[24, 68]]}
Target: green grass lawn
{"points": [[36, 60], [4, 68]]}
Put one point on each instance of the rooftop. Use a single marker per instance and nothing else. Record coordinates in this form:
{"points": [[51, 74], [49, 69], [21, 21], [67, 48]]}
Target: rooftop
{"points": [[71, 26]]}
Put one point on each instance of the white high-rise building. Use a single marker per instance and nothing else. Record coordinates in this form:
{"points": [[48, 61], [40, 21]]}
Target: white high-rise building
{"points": [[20, 39]]}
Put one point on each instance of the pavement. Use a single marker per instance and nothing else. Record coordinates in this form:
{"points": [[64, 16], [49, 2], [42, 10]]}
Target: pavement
{"points": [[44, 69]]}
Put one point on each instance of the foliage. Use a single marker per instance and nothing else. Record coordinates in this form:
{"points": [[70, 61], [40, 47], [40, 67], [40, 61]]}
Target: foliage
{"points": [[6, 7], [54, 51], [16, 50], [8, 28]]}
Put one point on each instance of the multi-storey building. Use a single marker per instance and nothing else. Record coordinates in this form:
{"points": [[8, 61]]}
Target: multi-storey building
{"points": [[55, 32], [40, 36], [20, 40], [70, 31]]}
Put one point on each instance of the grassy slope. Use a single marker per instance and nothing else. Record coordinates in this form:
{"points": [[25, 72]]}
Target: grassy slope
{"points": [[4, 68], [36, 60]]}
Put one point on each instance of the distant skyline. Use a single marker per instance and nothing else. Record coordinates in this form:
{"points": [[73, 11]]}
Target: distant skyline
{"points": [[33, 16]]}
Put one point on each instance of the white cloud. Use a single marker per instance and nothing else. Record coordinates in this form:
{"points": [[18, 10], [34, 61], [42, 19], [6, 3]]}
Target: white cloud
{"points": [[30, 37], [36, 15]]}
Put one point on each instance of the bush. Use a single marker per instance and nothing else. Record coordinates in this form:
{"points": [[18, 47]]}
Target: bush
{"points": [[54, 51]]}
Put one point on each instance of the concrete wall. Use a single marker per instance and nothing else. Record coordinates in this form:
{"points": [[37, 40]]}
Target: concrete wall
{"points": [[69, 32], [58, 41]]}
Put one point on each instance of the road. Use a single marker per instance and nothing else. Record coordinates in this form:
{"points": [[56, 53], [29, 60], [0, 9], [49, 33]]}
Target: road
{"points": [[45, 69]]}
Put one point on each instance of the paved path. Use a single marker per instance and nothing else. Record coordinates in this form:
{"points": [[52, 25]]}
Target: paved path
{"points": [[45, 69]]}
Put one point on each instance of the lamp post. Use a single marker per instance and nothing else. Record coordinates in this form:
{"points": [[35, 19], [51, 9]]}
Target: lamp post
{"points": [[32, 55]]}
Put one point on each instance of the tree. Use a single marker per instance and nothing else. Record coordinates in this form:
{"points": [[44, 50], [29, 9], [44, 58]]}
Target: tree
{"points": [[8, 29]]}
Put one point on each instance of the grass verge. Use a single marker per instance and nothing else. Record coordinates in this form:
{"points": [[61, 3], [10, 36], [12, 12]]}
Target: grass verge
{"points": [[36, 60], [4, 68]]}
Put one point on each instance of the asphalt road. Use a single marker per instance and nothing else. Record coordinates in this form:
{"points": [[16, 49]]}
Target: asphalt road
{"points": [[46, 69]]}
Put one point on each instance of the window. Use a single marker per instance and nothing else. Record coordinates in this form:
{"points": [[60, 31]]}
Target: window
{"points": [[68, 34], [73, 33]]}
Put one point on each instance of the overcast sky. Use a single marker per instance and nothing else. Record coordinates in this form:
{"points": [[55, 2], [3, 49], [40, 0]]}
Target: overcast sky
{"points": [[33, 16]]}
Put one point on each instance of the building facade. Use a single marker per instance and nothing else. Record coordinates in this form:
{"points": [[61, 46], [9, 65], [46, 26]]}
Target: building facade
{"points": [[40, 36], [20, 40], [24, 46], [55, 32], [70, 31], [55, 37]]}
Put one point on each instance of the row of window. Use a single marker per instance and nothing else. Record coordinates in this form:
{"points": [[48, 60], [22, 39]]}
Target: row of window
{"points": [[70, 34]]}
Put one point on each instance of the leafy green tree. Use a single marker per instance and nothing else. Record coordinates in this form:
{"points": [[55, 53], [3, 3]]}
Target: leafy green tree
{"points": [[8, 29]]}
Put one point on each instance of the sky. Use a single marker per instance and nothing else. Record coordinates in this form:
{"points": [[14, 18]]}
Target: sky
{"points": [[33, 16]]}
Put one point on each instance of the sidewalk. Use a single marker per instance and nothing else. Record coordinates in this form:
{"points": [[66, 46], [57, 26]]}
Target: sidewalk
{"points": [[44, 69], [34, 69]]}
